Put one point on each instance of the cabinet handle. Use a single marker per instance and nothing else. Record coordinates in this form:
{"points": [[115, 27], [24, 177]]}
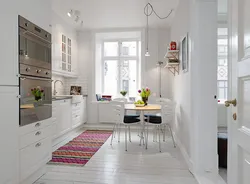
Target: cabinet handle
{"points": [[38, 133], [38, 124], [38, 145]]}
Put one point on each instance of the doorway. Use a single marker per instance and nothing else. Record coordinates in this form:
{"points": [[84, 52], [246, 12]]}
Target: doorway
{"points": [[222, 87]]}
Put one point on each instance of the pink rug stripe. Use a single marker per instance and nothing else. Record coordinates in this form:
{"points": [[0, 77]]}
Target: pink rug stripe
{"points": [[80, 150]]}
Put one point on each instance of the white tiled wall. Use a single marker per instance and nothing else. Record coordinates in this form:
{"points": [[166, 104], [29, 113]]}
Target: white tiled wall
{"points": [[59, 87], [76, 82], [67, 82]]}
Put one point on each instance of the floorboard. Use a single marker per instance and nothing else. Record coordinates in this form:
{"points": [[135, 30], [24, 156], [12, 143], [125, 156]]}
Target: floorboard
{"points": [[113, 165]]}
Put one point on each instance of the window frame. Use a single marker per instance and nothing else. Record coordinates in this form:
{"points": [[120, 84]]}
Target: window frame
{"points": [[222, 56], [120, 58]]}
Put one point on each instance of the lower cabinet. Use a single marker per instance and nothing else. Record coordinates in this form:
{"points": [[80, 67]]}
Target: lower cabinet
{"points": [[106, 113], [35, 147], [68, 115], [34, 156], [63, 116], [9, 113]]}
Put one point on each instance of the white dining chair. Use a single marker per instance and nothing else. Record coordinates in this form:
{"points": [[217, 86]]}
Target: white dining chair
{"points": [[116, 127], [127, 121], [162, 121]]}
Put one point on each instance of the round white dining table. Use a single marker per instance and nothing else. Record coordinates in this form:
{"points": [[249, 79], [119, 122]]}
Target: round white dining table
{"points": [[149, 107]]}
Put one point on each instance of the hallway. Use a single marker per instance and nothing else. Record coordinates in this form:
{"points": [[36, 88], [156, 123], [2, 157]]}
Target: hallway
{"points": [[112, 165]]}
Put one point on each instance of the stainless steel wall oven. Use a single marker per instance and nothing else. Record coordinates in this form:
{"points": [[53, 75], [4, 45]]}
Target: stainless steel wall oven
{"points": [[35, 73]]}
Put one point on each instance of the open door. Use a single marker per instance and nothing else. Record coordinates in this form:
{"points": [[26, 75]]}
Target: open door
{"points": [[239, 126]]}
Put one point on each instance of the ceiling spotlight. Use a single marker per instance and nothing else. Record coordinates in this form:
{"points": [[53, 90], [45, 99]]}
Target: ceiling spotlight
{"points": [[77, 18], [70, 13]]}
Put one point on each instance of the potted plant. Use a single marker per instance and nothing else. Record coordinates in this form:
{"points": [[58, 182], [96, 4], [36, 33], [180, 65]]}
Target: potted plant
{"points": [[38, 93], [123, 93], [145, 93]]}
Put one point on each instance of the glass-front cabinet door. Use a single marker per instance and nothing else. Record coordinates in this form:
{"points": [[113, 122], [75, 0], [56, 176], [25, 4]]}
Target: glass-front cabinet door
{"points": [[66, 54]]}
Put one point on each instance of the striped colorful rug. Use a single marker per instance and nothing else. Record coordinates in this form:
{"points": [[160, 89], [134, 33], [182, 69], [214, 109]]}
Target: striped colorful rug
{"points": [[79, 151]]}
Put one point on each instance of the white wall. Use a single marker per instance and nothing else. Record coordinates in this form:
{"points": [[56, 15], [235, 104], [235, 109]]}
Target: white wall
{"points": [[181, 83], [158, 42], [194, 91]]}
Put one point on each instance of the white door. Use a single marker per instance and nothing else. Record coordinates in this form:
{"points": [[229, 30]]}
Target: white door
{"points": [[239, 129], [9, 135]]}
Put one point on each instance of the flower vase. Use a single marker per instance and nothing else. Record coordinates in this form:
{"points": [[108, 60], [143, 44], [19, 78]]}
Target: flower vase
{"points": [[37, 98], [145, 100]]}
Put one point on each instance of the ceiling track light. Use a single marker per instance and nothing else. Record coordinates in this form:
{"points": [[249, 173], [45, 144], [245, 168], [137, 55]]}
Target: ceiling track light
{"points": [[70, 13], [75, 15], [77, 19]]}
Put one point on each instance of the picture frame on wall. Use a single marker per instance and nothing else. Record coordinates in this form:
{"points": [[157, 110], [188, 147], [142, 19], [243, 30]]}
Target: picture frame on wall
{"points": [[184, 53]]}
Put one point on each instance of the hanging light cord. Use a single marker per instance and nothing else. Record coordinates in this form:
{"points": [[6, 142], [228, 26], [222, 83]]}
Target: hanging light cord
{"points": [[149, 13], [146, 8]]}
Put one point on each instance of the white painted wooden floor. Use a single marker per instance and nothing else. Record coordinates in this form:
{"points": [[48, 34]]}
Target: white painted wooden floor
{"points": [[112, 165]]}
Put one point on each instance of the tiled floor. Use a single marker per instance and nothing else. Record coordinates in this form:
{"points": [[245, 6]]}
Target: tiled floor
{"points": [[112, 165]]}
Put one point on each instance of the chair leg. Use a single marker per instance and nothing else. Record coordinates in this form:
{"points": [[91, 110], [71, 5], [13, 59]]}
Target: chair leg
{"points": [[159, 132], [138, 130], [119, 131], [164, 133], [129, 133], [170, 129], [113, 135], [147, 138], [115, 130], [126, 145]]}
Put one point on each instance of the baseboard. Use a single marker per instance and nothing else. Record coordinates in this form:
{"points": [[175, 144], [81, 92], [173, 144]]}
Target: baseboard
{"points": [[107, 126], [61, 138], [208, 178], [99, 126], [184, 153]]}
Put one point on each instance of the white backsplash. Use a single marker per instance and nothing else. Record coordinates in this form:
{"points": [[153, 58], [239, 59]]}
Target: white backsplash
{"points": [[60, 88], [67, 83]]}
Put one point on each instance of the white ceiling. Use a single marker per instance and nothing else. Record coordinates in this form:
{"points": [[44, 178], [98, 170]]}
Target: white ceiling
{"points": [[105, 14]]}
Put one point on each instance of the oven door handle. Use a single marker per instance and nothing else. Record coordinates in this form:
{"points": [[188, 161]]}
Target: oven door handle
{"points": [[34, 78], [34, 35]]}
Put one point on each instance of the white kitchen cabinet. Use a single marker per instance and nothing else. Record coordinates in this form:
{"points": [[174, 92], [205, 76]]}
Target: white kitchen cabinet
{"points": [[35, 148], [64, 116], [64, 49], [33, 11], [84, 111], [79, 113], [9, 113], [106, 113], [34, 156]]}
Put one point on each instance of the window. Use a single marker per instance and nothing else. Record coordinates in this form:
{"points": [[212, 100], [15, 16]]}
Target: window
{"points": [[120, 67], [222, 72]]}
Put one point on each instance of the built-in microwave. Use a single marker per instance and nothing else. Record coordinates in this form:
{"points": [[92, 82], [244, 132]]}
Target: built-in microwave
{"points": [[34, 45]]}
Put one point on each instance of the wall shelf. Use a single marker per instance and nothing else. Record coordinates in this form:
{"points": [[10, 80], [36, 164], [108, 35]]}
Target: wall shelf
{"points": [[173, 62], [174, 68], [172, 54]]}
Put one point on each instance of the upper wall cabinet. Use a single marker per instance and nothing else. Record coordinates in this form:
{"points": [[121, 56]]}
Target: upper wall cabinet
{"points": [[64, 54], [34, 12]]}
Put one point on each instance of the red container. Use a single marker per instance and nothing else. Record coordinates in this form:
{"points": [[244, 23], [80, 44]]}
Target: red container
{"points": [[173, 45]]}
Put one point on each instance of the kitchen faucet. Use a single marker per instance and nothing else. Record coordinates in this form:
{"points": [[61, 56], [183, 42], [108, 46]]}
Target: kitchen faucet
{"points": [[55, 92]]}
